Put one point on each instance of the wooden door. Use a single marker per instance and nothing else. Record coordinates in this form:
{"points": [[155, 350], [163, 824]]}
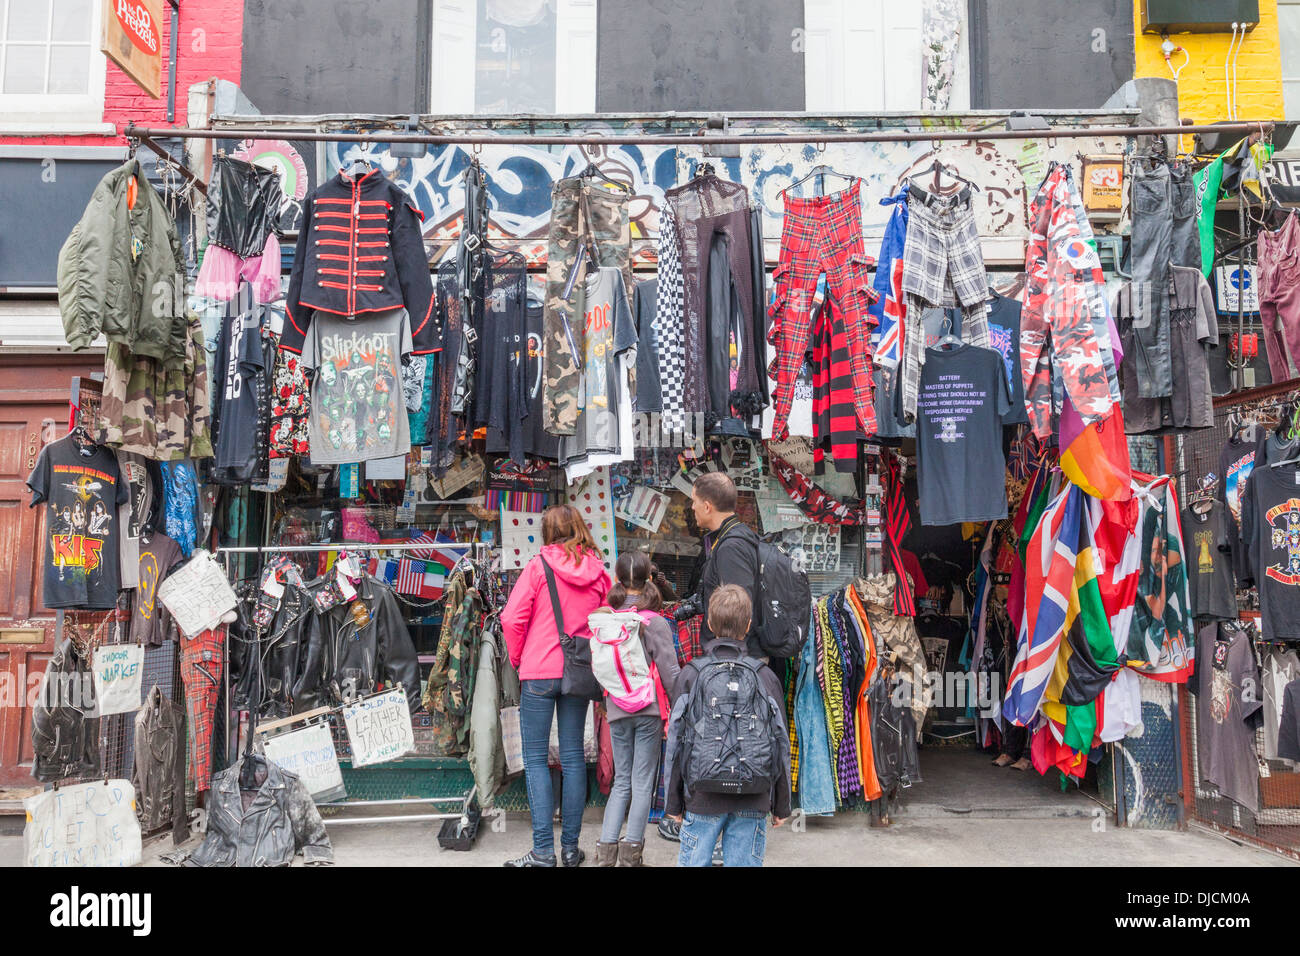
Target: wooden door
{"points": [[33, 392]]}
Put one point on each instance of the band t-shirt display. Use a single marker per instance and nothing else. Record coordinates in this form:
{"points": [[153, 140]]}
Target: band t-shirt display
{"points": [[1236, 462], [1206, 543], [1226, 715], [1270, 532], [133, 516], [357, 409], [604, 428], [961, 403], [158, 555], [83, 491]]}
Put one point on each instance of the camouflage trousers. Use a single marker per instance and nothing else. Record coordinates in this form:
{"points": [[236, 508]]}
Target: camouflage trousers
{"points": [[584, 215]]}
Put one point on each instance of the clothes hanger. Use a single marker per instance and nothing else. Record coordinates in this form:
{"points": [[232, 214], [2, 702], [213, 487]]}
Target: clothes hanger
{"points": [[949, 339], [359, 164], [592, 171], [822, 170], [937, 167]]}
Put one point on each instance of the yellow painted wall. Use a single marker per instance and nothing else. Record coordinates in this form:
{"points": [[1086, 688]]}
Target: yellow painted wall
{"points": [[1202, 93]]}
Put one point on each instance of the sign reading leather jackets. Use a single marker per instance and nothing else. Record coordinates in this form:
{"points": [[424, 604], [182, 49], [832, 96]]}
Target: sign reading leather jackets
{"points": [[379, 728]]}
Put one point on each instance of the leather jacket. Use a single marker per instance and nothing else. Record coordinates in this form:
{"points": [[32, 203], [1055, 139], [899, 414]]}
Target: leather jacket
{"points": [[360, 250], [243, 205], [345, 659], [65, 737], [280, 820], [266, 668], [158, 773]]}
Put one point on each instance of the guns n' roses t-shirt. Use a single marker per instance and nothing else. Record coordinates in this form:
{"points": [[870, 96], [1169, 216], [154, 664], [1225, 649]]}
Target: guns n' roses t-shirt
{"points": [[83, 490], [357, 409]]}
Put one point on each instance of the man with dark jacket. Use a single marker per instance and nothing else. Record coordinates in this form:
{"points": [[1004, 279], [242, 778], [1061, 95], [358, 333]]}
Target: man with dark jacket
{"points": [[732, 548]]}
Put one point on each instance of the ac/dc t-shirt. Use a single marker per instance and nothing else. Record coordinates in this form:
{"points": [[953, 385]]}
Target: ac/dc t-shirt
{"points": [[961, 402], [1207, 545], [83, 491], [357, 409]]}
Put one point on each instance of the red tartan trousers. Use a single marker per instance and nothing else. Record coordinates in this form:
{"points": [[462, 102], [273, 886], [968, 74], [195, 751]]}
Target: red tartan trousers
{"points": [[202, 658], [821, 234]]}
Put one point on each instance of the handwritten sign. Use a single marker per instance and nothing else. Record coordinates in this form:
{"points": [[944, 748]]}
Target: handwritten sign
{"points": [[379, 728], [118, 668], [198, 595], [310, 754], [89, 824]]}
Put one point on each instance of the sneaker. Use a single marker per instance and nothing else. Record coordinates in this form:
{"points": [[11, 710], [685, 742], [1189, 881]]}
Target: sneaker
{"points": [[573, 857], [670, 830], [531, 858]]}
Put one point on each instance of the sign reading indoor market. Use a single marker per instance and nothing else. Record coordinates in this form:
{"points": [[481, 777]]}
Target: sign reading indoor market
{"points": [[132, 39]]}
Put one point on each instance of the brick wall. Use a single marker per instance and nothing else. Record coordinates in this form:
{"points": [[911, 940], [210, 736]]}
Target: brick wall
{"points": [[209, 45], [1202, 92]]}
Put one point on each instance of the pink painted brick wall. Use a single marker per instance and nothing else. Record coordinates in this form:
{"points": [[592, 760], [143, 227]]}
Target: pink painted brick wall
{"points": [[214, 52]]}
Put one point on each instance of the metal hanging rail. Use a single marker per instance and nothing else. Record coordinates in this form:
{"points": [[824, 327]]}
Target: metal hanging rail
{"points": [[661, 139]]}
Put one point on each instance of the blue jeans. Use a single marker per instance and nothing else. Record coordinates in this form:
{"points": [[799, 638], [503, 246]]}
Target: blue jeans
{"points": [[635, 742], [539, 700], [744, 838]]}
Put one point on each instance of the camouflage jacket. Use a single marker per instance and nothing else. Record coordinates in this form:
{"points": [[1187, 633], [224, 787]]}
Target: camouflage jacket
{"points": [[450, 689], [120, 271], [157, 410]]}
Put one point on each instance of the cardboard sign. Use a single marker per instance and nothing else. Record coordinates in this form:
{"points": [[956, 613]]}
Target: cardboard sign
{"points": [[132, 38], [1103, 183], [198, 595], [379, 728], [118, 669], [88, 824], [310, 754]]}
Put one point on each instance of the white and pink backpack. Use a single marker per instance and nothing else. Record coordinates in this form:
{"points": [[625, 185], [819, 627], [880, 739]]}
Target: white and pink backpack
{"points": [[619, 659]]}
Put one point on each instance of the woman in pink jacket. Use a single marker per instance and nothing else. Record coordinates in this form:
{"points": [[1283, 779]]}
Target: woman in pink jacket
{"points": [[533, 641]]}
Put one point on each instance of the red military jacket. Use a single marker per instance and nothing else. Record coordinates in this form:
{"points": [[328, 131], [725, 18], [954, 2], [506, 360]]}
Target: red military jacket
{"points": [[360, 250]]}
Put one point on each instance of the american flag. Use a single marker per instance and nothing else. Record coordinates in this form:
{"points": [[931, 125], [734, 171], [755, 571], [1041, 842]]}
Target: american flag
{"points": [[420, 579], [446, 558]]}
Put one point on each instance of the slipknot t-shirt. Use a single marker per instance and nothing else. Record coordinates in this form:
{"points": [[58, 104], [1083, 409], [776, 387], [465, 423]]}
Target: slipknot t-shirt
{"points": [[83, 490], [357, 409]]}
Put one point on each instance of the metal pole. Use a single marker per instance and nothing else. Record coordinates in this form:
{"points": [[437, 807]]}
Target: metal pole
{"points": [[687, 139], [1241, 292], [171, 68]]}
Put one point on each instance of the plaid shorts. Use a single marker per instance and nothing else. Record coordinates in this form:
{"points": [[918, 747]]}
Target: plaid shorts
{"points": [[943, 265], [822, 234]]}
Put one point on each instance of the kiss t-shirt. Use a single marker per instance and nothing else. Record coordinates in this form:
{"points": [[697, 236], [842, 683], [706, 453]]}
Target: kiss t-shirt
{"points": [[83, 492], [357, 409]]}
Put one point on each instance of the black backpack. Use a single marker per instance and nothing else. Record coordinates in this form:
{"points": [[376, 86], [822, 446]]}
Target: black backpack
{"points": [[783, 600], [731, 731]]}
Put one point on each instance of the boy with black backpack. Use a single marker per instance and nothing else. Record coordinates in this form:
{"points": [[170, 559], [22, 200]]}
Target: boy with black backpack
{"points": [[728, 747]]}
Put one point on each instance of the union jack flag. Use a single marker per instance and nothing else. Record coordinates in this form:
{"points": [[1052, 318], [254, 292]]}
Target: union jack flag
{"points": [[1049, 576]]}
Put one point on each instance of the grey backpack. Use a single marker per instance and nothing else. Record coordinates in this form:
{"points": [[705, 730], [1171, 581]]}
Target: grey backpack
{"points": [[731, 730]]}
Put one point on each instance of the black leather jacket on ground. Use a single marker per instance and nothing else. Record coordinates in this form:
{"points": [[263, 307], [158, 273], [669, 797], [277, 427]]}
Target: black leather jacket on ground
{"points": [[65, 739], [345, 660]]}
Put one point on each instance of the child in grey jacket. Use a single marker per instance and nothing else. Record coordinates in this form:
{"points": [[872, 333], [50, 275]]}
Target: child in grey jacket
{"points": [[636, 737]]}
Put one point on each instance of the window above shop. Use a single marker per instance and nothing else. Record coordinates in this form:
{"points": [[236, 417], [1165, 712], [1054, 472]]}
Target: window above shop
{"points": [[1288, 21], [51, 68], [513, 56]]}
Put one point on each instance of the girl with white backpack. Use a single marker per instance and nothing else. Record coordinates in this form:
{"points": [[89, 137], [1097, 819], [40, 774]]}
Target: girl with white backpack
{"points": [[633, 658]]}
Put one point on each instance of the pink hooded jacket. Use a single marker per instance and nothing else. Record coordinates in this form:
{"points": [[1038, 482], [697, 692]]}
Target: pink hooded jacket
{"points": [[528, 621]]}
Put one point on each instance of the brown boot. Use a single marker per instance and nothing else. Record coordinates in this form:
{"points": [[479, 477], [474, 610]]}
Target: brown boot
{"points": [[606, 854], [629, 853]]}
